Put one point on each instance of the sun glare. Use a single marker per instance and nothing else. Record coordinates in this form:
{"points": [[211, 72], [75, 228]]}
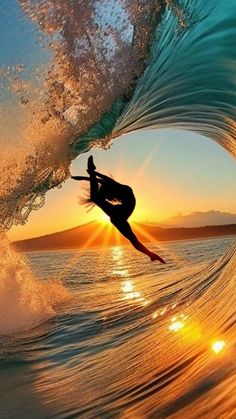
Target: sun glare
{"points": [[103, 218], [175, 326], [127, 286], [218, 346]]}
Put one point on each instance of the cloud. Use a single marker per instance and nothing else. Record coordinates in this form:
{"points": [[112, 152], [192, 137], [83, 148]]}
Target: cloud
{"points": [[200, 218]]}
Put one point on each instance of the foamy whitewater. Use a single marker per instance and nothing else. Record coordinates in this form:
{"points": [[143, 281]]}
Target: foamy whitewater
{"points": [[24, 301], [76, 75]]}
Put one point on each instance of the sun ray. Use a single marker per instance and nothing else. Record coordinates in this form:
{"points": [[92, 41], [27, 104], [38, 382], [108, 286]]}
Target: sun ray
{"points": [[153, 239], [107, 234], [106, 237], [146, 163], [75, 258]]}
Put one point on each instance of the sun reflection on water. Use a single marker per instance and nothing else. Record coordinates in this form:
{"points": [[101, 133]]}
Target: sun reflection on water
{"points": [[177, 323], [218, 346], [128, 286], [117, 254], [193, 332], [131, 294], [163, 311], [175, 326], [120, 272]]}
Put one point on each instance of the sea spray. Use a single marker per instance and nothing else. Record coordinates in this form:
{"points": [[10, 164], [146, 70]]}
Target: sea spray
{"points": [[107, 68], [24, 301], [83, 56]]}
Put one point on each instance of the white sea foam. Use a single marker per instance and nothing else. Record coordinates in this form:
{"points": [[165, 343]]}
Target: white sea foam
{"points": [[24, 301]]}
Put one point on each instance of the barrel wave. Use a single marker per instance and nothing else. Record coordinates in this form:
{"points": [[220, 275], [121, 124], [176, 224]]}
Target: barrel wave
{"points": [[131, 65], [77, 75]]}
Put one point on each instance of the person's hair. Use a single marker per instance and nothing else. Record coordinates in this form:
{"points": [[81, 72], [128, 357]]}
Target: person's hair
{"points": [[86, 200]]}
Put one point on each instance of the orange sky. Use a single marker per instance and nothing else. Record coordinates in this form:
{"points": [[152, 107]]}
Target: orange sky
{"points": [[169, 172]]}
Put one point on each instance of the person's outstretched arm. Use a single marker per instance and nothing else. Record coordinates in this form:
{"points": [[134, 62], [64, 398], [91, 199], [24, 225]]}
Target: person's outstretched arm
{"points": [[84, 178], [125, 229]]}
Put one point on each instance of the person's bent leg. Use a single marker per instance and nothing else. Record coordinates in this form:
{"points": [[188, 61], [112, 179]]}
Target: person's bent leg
{"points": [[93, 187], [84, 178], [125, 229]]}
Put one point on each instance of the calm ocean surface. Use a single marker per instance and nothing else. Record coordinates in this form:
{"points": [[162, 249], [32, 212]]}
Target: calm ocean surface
{"points": [[134, 339]]}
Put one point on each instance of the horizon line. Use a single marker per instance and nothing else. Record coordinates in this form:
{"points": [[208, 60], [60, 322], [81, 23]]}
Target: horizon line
{"points": [[158, 225]]}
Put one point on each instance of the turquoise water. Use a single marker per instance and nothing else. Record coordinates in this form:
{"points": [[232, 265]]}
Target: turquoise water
{"points": [[133, 340], [122, 338], [128, 67]]}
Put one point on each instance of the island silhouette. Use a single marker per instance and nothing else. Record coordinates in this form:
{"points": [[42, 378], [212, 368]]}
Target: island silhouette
{"points": [[78, 236]]}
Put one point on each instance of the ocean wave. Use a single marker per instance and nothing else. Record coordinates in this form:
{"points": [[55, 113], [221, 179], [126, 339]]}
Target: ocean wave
{"points": [[24, 301], [157, 345], [141, 66]]}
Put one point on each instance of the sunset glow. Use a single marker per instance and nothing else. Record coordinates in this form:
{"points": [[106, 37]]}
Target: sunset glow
{"points": [[218, 346], [175, 326], [142, 167], [118, 209]]}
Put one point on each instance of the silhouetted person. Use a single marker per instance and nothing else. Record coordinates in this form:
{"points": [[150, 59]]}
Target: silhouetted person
{"points": [[117, 201]]}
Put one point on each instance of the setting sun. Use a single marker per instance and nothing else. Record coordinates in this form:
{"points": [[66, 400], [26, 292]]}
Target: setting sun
{"points": [[103, 218]]}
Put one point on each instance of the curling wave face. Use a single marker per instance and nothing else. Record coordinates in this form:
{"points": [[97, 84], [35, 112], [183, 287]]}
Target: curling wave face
{"points": [[189, 81], [104, 69], [77, 94]]}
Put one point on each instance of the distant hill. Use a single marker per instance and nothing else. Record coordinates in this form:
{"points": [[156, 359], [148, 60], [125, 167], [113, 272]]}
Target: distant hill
{"points": [[199, 219], [96, 235]]}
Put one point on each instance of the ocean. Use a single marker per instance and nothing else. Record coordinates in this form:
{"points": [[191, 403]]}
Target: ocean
{"points": [[105, 333], [128, 339]]}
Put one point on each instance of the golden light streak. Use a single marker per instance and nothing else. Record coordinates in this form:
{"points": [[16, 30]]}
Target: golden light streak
{"points": [[106, 237], [131, 294], [191, 332], [153, 239], [103, 218], [107, 234], [145, 302], [128, 286], [163, 311], [121, 272], [145, 233], [88, 243], [146, 163], [176, 326], [117, 254], [218, 346], [178, 322]]}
